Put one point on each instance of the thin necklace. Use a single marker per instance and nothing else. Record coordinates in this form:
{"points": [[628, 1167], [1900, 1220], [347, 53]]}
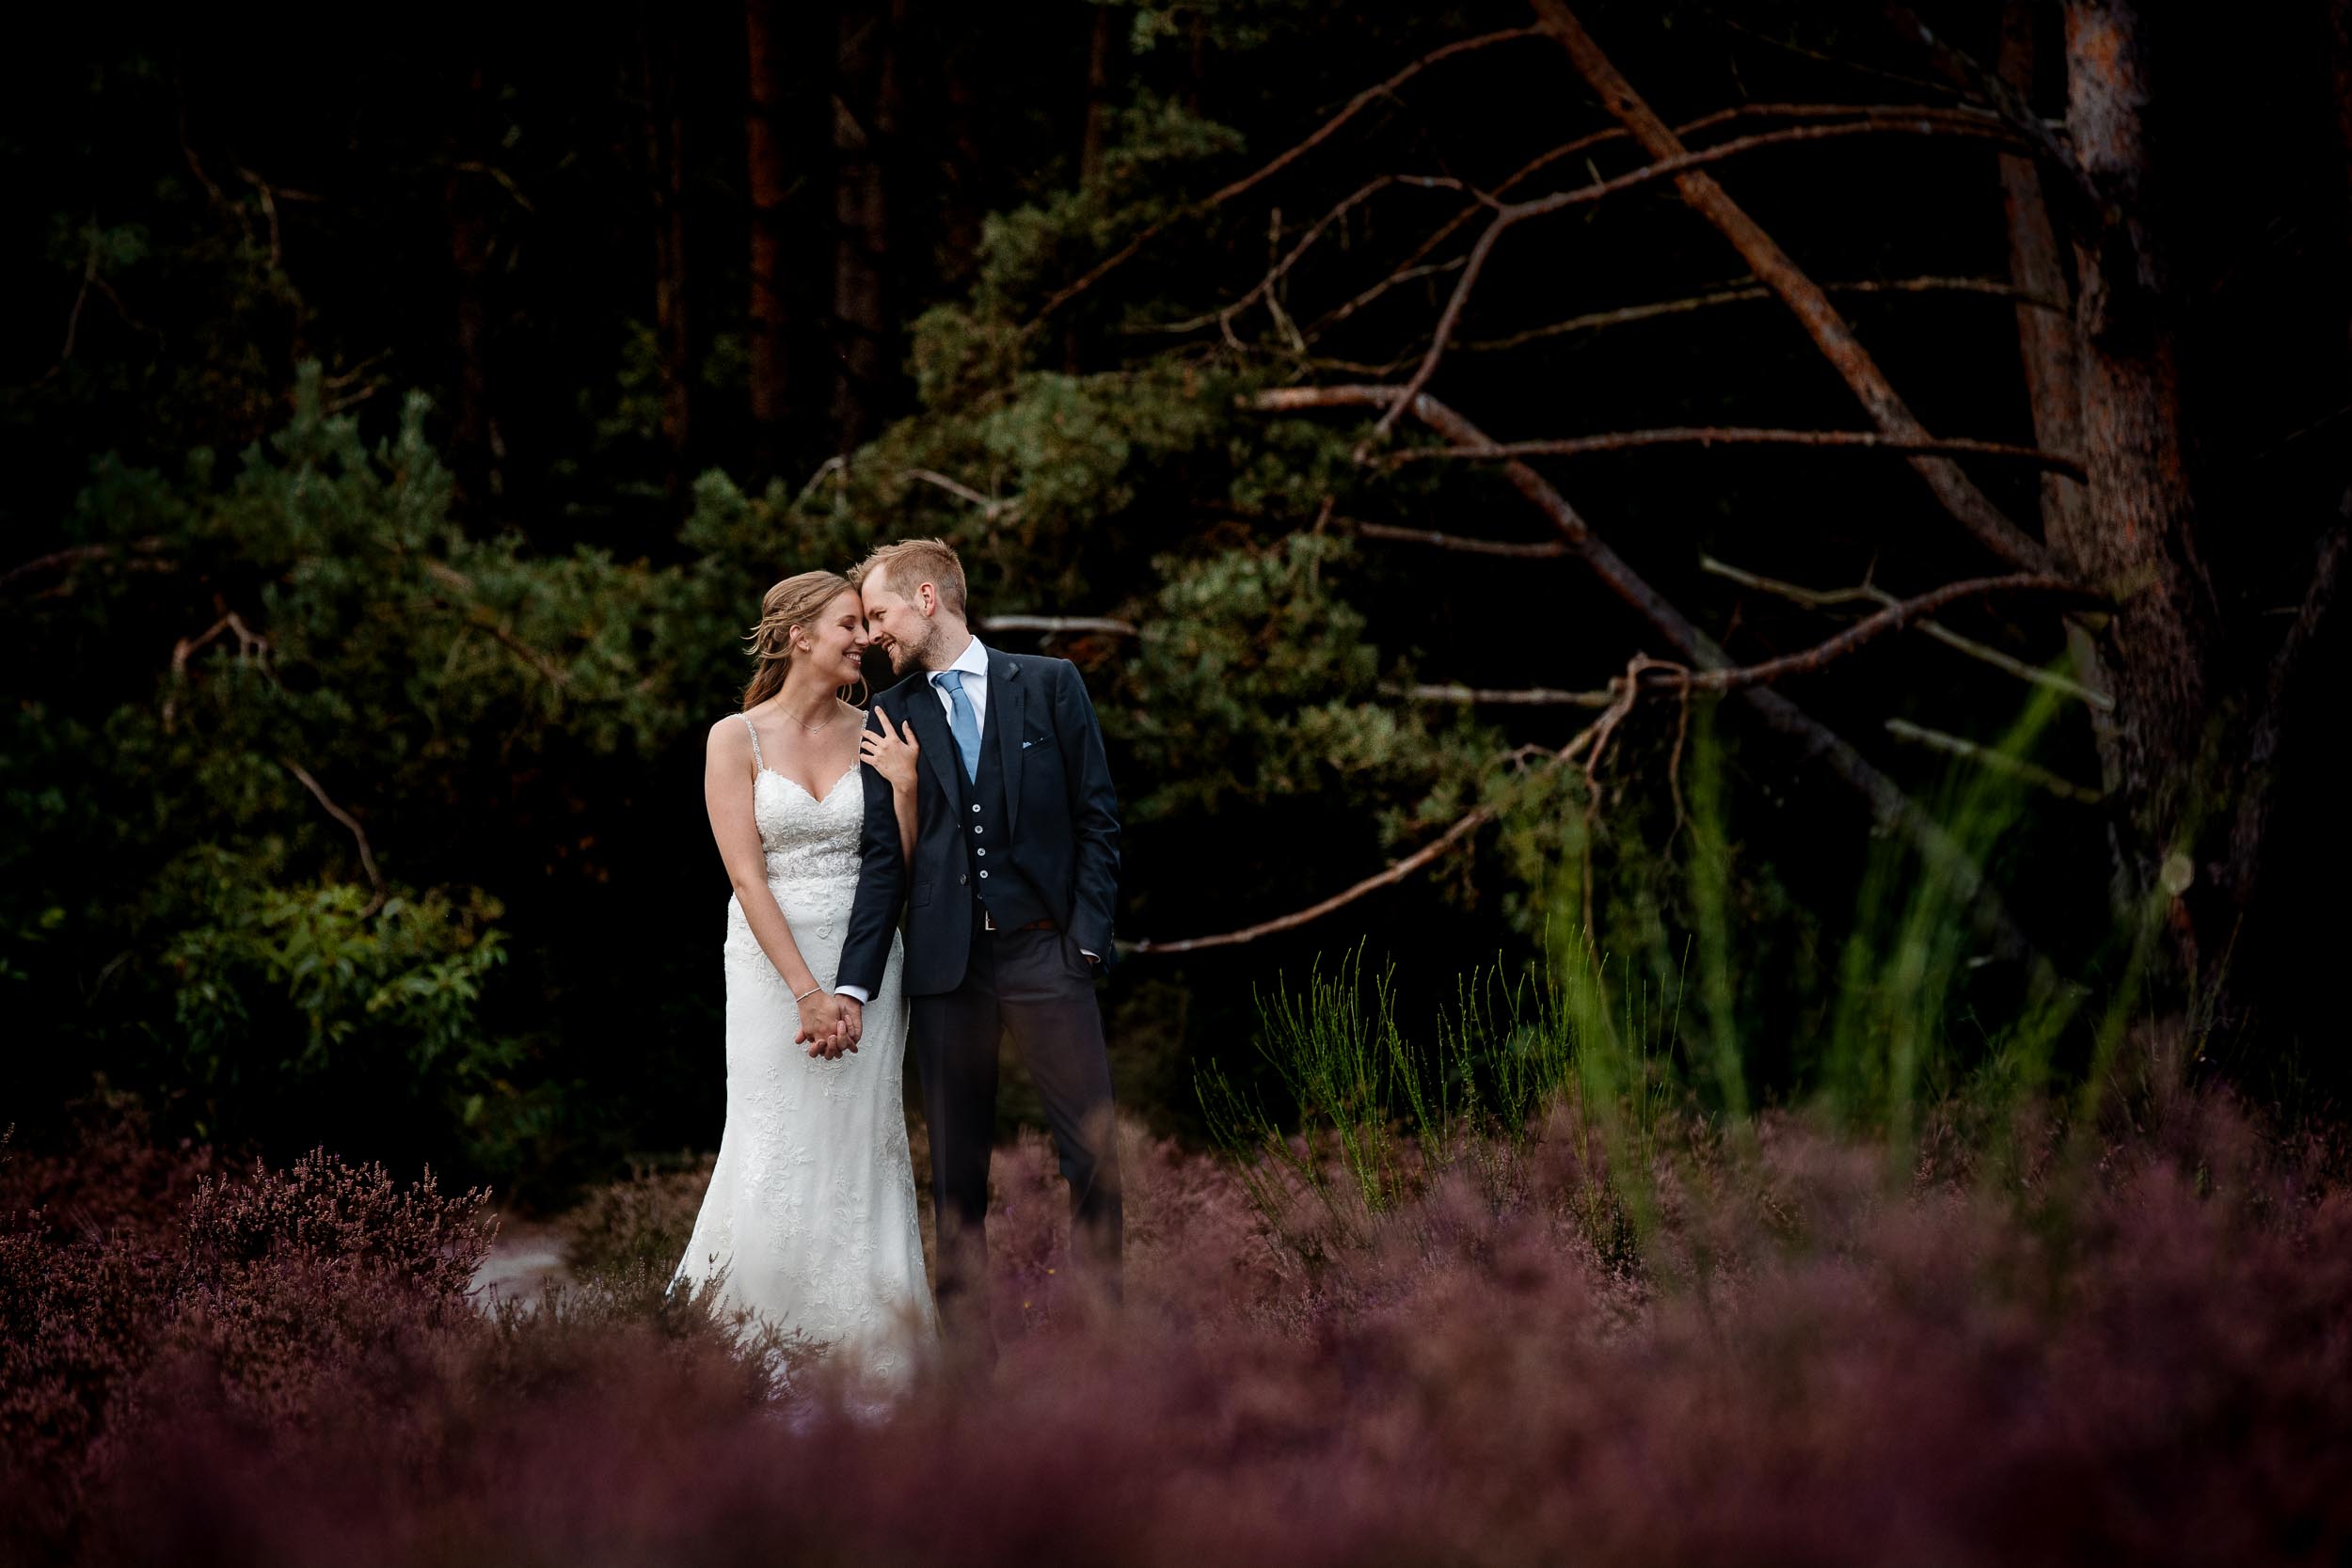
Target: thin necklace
{"points": [[818, 728]]}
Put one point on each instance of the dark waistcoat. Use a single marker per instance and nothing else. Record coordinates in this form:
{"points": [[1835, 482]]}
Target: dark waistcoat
{"points": [[997, 884]]}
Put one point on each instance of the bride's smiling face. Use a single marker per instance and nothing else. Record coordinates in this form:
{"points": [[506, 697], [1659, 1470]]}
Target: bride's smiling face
{"points": [[837, 640]]}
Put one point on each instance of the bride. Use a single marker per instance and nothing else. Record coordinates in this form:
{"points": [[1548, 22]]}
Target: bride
{"points": [[810, 1214]]}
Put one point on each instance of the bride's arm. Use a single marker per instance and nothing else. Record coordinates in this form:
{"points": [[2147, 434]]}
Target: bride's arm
{"points": [[727, 780]]}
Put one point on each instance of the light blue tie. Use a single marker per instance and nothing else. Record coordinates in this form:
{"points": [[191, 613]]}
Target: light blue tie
{"points": [[962, 722]]}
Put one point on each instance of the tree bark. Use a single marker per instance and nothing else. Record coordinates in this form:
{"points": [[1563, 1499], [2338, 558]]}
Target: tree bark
{"points": [[2136, 535], [665, 160], [866, 123], [2045, 352], [471, 434], [1097, 124], [764, 169]]}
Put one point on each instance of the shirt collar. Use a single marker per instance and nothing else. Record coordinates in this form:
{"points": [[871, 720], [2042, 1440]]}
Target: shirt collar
{"points": [[972, 661]]}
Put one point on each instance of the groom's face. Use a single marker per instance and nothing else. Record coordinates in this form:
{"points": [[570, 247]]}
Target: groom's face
{"points": [[898, 625]]}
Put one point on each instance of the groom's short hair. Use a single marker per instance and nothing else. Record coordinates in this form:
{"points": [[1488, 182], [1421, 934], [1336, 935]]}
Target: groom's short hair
{"points": [[904, 567]]}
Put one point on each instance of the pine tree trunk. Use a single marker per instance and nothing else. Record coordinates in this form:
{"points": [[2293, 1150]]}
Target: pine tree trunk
{"points": [[2136, 536], [665, 157], [1097, 125], [764, 162], [866, 123], [2045, 349], [471, 433]]}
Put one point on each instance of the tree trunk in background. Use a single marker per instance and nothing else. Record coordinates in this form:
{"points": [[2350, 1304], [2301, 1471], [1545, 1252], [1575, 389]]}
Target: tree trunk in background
{"points": [[1098, 94], [2045, 350], [471, 434], [665, 161], [2136, 536], [865, 123], [764, 163], [1095, 131]]}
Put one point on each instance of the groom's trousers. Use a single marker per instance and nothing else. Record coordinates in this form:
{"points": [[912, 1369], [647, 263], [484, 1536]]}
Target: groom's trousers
{"points": [[1036, 986]]}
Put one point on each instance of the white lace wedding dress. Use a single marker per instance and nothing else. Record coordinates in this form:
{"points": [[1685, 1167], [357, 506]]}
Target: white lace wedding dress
{"points": [[810, 1211]]}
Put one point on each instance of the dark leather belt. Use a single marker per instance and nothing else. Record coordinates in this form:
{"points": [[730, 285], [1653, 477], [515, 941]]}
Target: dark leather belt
{"points": [[988, 923]]}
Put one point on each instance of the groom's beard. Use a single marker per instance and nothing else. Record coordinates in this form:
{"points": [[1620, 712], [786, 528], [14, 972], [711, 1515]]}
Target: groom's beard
{"points": [[906, 656]]}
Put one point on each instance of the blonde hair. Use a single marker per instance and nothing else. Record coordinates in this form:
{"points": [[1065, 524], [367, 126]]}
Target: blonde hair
{"points": [[908, 563], [783, 611]]}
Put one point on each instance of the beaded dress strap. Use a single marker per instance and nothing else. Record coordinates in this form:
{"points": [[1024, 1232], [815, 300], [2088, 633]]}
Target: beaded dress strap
{"points": [[758, 761]]}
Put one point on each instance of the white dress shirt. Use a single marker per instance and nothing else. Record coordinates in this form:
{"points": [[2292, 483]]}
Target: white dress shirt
{"points": [[973, 662]]}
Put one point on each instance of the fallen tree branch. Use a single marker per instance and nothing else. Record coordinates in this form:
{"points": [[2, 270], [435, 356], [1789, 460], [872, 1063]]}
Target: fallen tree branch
{"points": [[1739, 436], [1890, 808], [358, 834], [1773, 267], [1052, 623], [1871, 594], [1516, 696], [1541, 550], [1896, 616], [1468, 823]]}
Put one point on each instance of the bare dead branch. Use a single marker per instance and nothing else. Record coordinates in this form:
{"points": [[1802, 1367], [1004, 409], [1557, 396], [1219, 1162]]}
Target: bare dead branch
{"points": [[1049, 625], [1626, 314], [1804, 298], [1734, 435], [1517, 696], [1410, 267], [1870, 593], [1216, 198], [250, 645], [1541, 550], [1903, 612], [990, 509], [1814, 741], [75, 555], [1999, 761], [1468, 823], [358, 834], [1676, 165]]}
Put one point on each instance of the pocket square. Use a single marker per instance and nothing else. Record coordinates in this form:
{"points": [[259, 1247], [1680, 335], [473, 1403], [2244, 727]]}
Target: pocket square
{"points": [[1026, 744]]}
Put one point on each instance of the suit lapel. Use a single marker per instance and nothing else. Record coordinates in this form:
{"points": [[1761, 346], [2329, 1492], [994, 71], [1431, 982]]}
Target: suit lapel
{"points": [[939, 746], [1003, 706]]}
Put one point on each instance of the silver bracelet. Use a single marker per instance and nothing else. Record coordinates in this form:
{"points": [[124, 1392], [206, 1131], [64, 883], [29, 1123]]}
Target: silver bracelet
{"points": [[811, 991]]}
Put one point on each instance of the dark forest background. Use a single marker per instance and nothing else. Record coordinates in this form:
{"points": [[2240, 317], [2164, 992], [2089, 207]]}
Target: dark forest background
{"points": [[406, 414]]}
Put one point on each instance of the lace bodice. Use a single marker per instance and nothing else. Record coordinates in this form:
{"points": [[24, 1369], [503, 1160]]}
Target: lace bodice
{"points": [[812, 843]]}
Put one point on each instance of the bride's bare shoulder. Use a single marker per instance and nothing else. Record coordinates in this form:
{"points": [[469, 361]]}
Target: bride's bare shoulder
{"points": [[729, 734]]}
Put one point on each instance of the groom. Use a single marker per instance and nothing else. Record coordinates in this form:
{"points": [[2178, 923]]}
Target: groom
{"points": [[1009, 906]]}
